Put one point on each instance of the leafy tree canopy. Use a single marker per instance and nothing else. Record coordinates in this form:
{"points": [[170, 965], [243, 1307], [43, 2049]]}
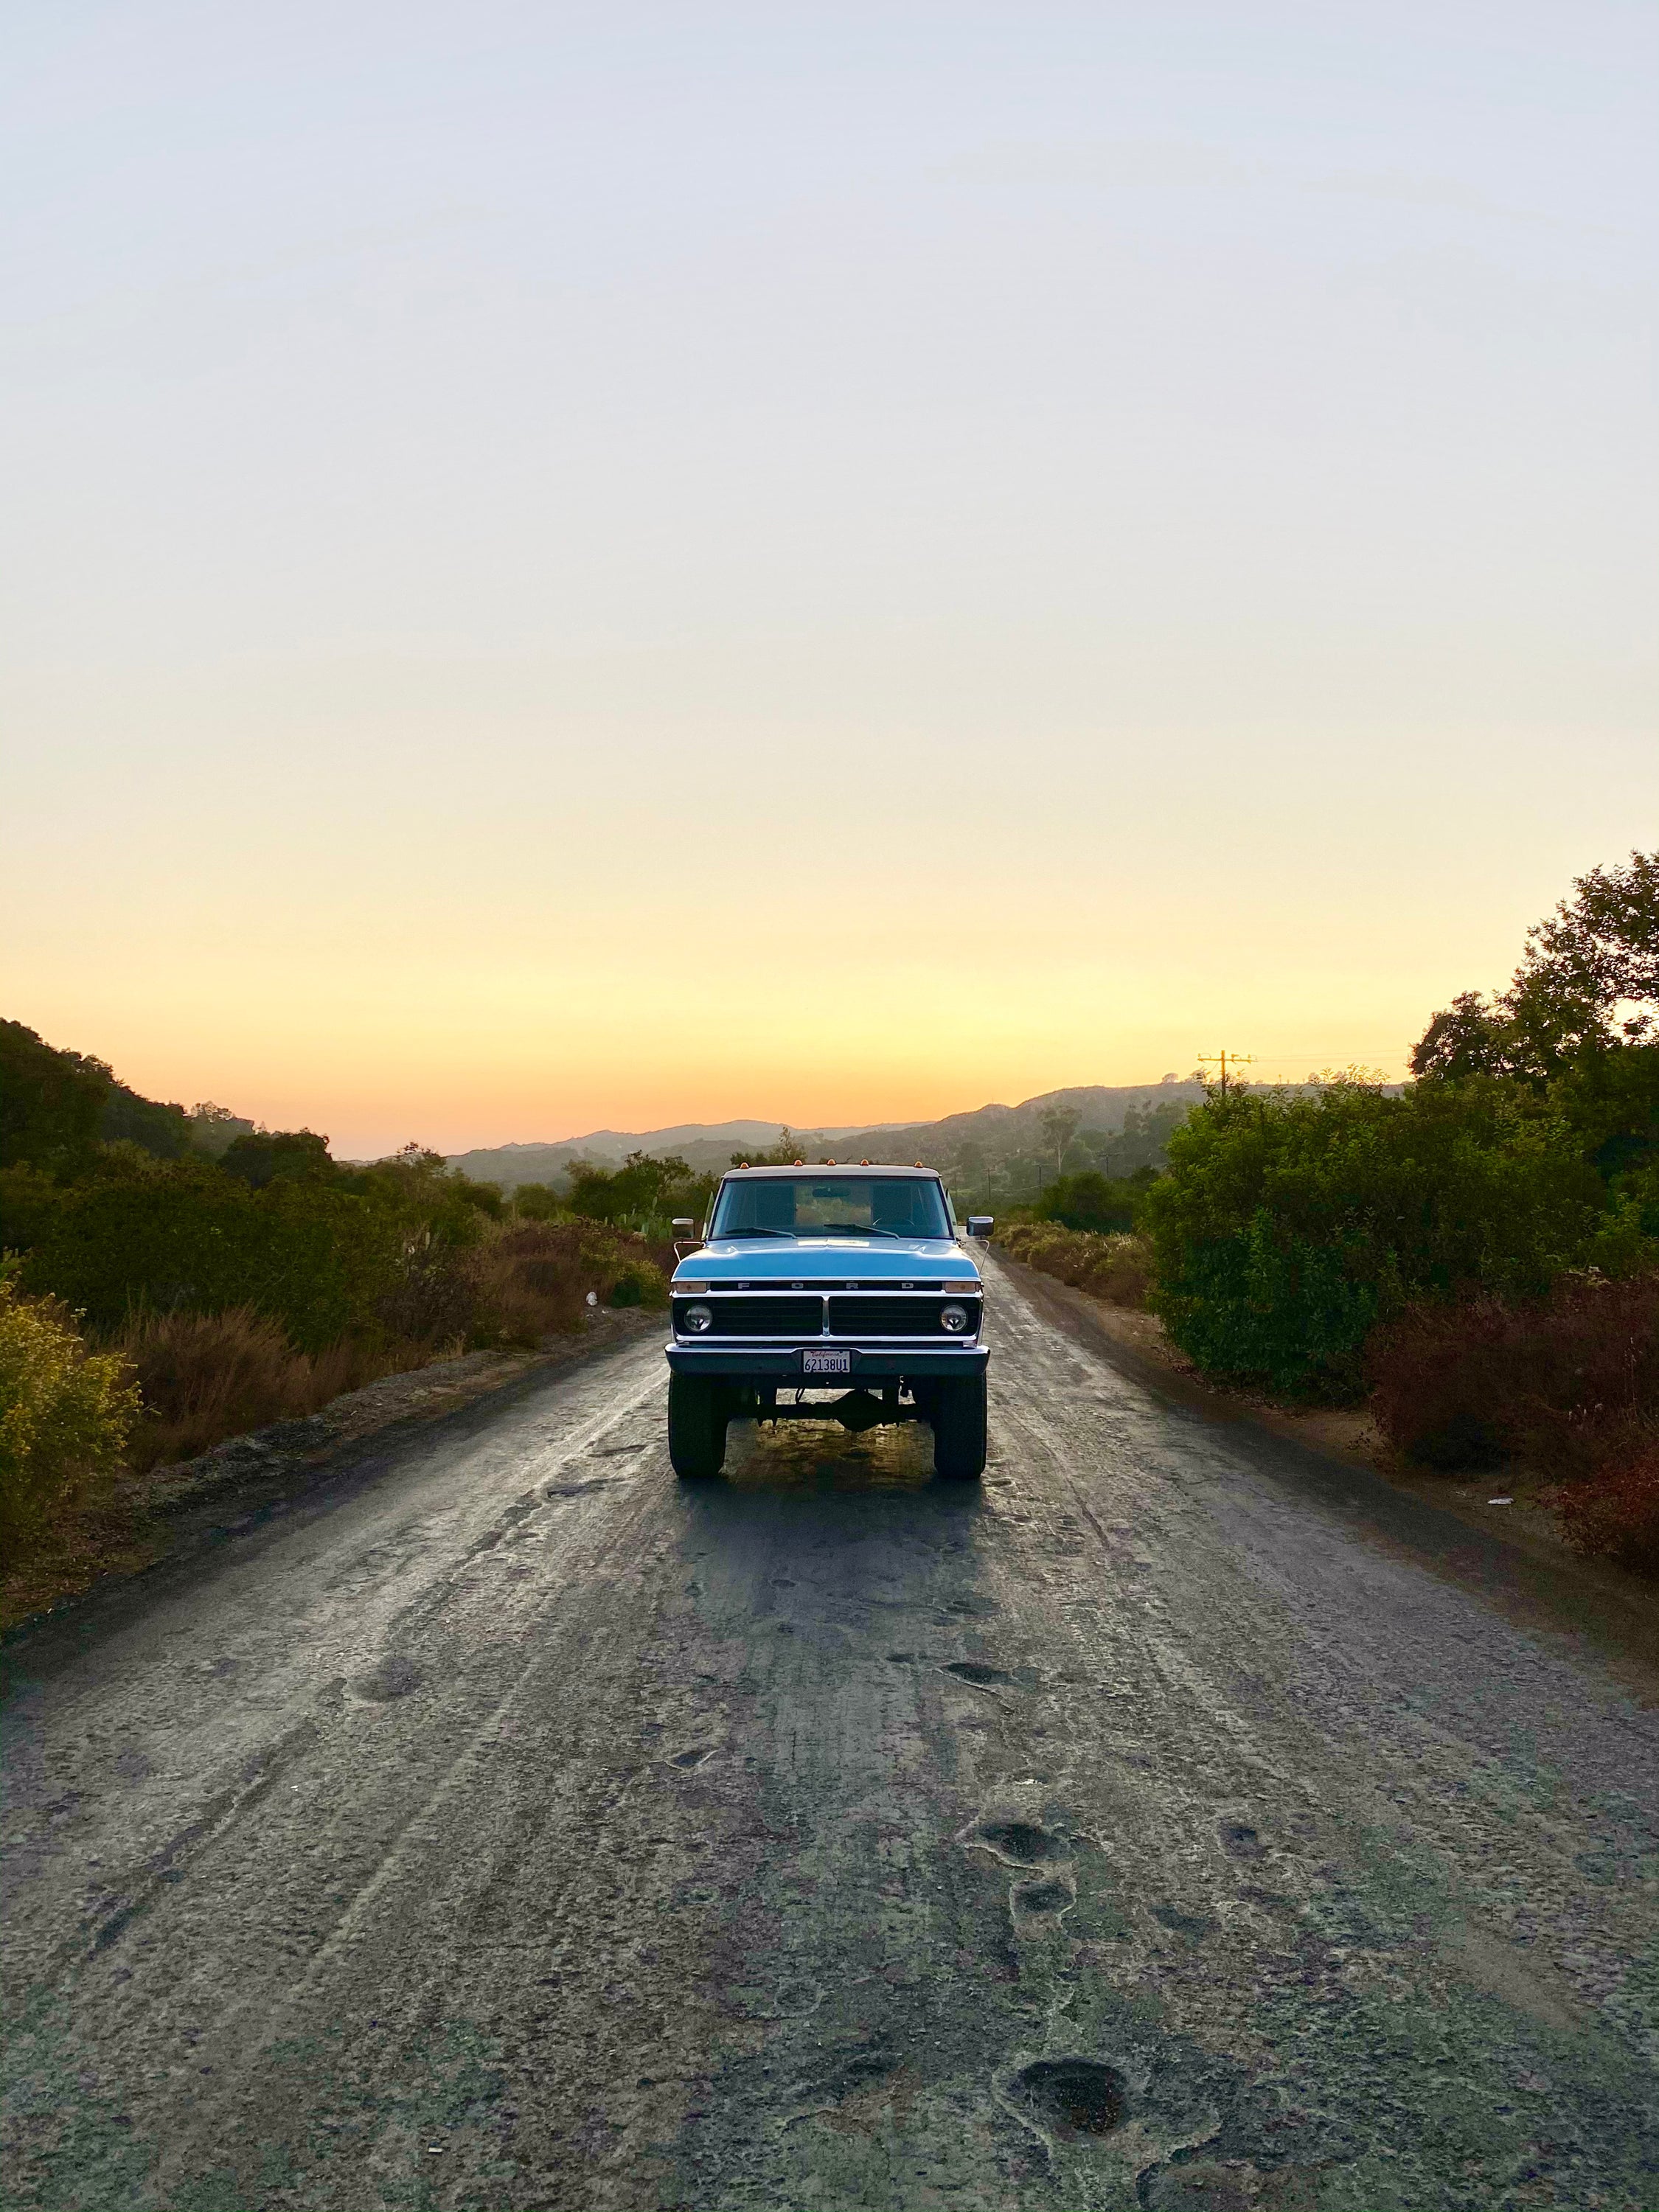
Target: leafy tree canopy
{"points": [[51, 1101], [277, 1155], [1588, 983]]}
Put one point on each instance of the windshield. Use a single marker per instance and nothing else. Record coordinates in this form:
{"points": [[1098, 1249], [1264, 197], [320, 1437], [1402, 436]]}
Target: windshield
{"points": [[802, 1205]]}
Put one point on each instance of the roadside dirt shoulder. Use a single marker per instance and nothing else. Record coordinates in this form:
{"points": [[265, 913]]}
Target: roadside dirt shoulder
{"points": [[1620, 1608], [142, 1521]]}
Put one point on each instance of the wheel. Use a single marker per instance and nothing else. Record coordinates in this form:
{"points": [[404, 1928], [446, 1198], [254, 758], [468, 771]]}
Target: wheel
{"points": [[697, 1427], [958, 1419]]}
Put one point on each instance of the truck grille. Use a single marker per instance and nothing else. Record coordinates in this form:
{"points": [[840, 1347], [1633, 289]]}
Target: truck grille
{"points": [[740, 1316], [865, 1316]]}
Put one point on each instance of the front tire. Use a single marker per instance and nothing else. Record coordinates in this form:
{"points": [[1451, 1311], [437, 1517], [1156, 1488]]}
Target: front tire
{"points": [[959, 1437], [697, 1427]]}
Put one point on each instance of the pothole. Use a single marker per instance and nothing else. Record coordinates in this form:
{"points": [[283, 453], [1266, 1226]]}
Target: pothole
{"points": [[395, 1677], [1024, 1842], [1041, 1899], [981, 1678], [1070, 2099]]}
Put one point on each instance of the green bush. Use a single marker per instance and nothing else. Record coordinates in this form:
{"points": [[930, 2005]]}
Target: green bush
{"points": [[311, 1257], [643, 1194], [1290, 1225], [65, 1412], [1094, 1203]]}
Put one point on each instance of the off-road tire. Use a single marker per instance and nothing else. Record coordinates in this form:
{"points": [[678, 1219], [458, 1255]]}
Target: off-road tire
{"points": [[958, 1420], [697, 1427]]}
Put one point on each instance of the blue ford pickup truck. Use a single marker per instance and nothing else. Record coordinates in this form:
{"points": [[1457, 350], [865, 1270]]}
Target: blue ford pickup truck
{"points": [[846, 1279]]}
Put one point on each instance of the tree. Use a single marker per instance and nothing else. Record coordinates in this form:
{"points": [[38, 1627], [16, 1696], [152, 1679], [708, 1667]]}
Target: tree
{"points": [[51, 1102], [788, 1149], [280, 1156], [1093, 1202], [1588, 982], [1290, 1225], [1601, 947], [1058, 1125], [1468, 1037], [212, 1128], [162, 1130], [641, 1189]]}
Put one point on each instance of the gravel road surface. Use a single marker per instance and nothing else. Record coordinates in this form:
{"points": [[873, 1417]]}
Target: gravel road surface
{"points": [[1166, 1823]]}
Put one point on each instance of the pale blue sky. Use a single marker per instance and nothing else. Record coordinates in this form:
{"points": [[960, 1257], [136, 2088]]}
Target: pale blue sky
{"points": [[473, 471]]}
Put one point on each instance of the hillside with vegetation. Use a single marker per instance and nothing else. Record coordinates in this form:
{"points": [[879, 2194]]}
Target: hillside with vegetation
{"points": [[173, 1277], [992, 1152], [1475, 1256]]}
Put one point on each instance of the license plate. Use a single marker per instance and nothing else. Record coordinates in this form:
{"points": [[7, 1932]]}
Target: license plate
{"points": [[826, 1363]]}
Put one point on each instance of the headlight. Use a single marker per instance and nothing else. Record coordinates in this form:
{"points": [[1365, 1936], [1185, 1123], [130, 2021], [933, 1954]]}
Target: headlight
{"points": [[697, 1319], [955, 1318]]}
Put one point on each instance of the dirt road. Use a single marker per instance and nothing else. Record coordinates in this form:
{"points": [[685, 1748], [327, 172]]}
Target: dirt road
{"points": [[511, 1826]]}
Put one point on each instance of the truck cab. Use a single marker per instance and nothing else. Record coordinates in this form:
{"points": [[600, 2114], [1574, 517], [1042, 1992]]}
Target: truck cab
{"points": [[849, 1280]]}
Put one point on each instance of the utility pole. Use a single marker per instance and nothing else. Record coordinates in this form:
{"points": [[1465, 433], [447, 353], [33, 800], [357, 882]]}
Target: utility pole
{"points": [[1227, 1059]]}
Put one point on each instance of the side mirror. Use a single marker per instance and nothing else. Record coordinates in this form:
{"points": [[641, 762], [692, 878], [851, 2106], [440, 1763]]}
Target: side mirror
{"points": [[684, 1222], [981, 1224], [684, 1241]]}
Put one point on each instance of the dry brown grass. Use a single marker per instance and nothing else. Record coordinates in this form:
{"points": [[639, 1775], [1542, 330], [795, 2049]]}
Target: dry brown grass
{"points": [[206, 1376], [1117, 1269], [532, 1281]]}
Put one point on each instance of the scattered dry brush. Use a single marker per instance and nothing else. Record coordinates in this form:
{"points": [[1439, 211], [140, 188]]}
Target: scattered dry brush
{"points": [[1568, 1385], [1116, 1268]]}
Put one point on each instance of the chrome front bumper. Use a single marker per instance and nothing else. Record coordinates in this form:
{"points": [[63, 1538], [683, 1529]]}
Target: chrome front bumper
{"points": [[783, 1363]]}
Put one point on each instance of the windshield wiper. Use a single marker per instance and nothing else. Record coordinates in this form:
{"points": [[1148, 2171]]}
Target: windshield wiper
{"points": [[789, 1233], [852, 1229]]}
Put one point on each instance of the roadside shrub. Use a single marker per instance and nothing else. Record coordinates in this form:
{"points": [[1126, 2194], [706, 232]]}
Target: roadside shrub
{"points": [[433, 1294], [1289, 1225], [206, 1376], [183, 1235], [1092, 1202], [1569, 1382], [533, 1280], [528, 1282], [536, 1201], [1116, 1268], [64, 1411], [640, 1193], [1615, 1514]]}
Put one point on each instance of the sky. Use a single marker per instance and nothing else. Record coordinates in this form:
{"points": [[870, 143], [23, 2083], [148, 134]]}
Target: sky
{"points": [[576, 566]]}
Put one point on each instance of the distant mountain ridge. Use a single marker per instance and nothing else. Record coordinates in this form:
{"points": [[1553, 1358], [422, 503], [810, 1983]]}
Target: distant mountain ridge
{"points": [[706, 1145]]}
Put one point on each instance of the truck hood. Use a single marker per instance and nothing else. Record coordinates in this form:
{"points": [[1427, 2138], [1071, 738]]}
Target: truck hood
{"points": [[829, 1258]]}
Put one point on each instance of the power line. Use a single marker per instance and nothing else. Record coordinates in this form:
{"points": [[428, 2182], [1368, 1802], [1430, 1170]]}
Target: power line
{"points": [[1238, 1058]]}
